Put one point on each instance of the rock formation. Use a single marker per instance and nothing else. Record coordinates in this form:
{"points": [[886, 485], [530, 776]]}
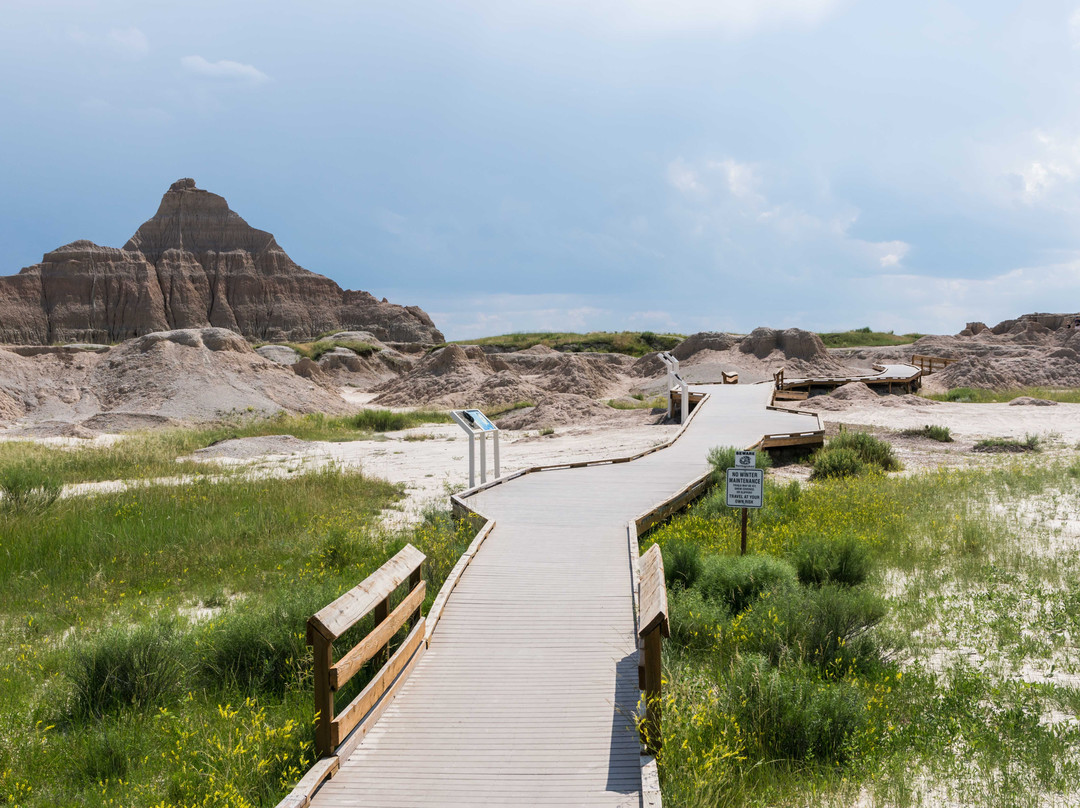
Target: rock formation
{"points": [[195, 264]]}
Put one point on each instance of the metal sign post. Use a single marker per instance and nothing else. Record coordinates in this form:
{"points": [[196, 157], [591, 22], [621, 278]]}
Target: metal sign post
{"points": [[745, 488], [476, 424]]}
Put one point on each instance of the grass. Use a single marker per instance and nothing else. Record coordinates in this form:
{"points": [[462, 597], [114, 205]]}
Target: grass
{"points": [[931, 432], [852, 453], [638, 403], [317, 349], [632, 343], [865, 337], [113, 692], [154, 454], [971, 395], [899, 667], [1030, 443]]}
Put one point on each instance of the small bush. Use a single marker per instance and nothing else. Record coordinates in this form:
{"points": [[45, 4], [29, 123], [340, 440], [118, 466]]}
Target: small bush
{"points": [[738, 581], [682, 564], [827, 627], [843, 561], [794, 714], [939, 433], [28, 487], [259, 649], [871, 450], [1030, 443], [695, 622], [836, 463], [118, 668]]}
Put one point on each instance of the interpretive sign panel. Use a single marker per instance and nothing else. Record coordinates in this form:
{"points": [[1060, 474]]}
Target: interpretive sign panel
{"points": [[745, 488], [479, 420]]}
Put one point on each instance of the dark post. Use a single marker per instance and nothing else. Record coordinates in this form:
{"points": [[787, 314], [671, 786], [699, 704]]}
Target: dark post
{"points": [[745, 511], [651, 726], [322, 650]]}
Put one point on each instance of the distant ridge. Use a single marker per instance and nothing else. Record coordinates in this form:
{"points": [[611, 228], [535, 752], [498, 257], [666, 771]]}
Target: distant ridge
{"points": [[195, 264]]}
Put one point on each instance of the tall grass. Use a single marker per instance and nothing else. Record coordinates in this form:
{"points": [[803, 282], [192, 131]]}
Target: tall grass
{"points": [[821, 693], [156, 636], [633, 343], [973, 395]]}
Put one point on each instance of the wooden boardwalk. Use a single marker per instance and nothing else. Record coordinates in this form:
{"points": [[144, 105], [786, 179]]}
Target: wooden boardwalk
{"points": [[527, 691], [902, 376]]}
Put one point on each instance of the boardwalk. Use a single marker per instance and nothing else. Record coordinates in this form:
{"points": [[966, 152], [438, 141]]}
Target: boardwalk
{"points": [[526, 693]]}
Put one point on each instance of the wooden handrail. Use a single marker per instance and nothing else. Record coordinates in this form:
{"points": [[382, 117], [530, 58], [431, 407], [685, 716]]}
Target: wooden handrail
{"points": [[371, 596], [653, 624], [928, 364]]}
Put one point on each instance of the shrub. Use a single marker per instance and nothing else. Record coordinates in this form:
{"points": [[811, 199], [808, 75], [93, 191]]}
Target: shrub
{"points": [[682, 563], [1030, 443], [939, 433], [389, 421], [695, 622], [871, 450], [120, 667], [28, 487], [836, 462], [259, 649], [826, 626], [843, 561], [738, 581], [792, 713]]}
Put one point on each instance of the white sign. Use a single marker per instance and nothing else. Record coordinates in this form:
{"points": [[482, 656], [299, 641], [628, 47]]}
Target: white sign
{"points": [[745, 488], [745, 459]]}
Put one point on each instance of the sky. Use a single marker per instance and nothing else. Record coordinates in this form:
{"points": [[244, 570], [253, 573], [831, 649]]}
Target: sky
{"points": [[663, 165]]}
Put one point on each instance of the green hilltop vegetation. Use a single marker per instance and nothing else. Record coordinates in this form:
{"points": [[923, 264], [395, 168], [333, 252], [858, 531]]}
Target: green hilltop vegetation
{"points": [[865, 338], [632, 343], [639, 343]]}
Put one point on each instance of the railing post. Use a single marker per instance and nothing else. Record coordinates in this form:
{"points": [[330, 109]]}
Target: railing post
{"points": [[653, 619], [382, 609], [651, 735], [323, 650]]}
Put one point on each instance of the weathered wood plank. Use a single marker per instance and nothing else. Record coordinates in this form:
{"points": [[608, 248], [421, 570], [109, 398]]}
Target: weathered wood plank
{"points": [[653, 597], [344, 723], [346, 667], [334, 620]]}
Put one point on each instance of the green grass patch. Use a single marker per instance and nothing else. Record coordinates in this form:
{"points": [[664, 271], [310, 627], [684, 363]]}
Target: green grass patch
{"points": [[632, 343], [933, 432], [1030, 443], [156, 636], [637, 403], [852, 453], [973, 395], [865, 337], [30, 470], [316, 350], [890, 671]]}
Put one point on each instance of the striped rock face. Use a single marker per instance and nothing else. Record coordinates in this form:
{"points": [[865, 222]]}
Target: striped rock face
{"points": [[195, 264]]}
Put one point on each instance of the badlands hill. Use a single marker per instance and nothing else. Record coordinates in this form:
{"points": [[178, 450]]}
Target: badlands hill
{"points": [[195, 264]]}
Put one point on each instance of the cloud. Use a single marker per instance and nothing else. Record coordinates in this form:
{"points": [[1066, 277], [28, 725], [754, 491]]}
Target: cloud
{"points": [[224, 70], [1049, 171], [725, 200], [934, 303], [485, 315], [1074, 29]]}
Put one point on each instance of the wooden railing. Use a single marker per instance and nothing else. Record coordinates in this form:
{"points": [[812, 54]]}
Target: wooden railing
{"points": [[653, 624], [928, 364], [337, 735], [778, 379]]}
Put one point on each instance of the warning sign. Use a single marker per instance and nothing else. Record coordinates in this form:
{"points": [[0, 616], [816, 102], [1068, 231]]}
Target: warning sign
{"points": [[745, 488]]}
